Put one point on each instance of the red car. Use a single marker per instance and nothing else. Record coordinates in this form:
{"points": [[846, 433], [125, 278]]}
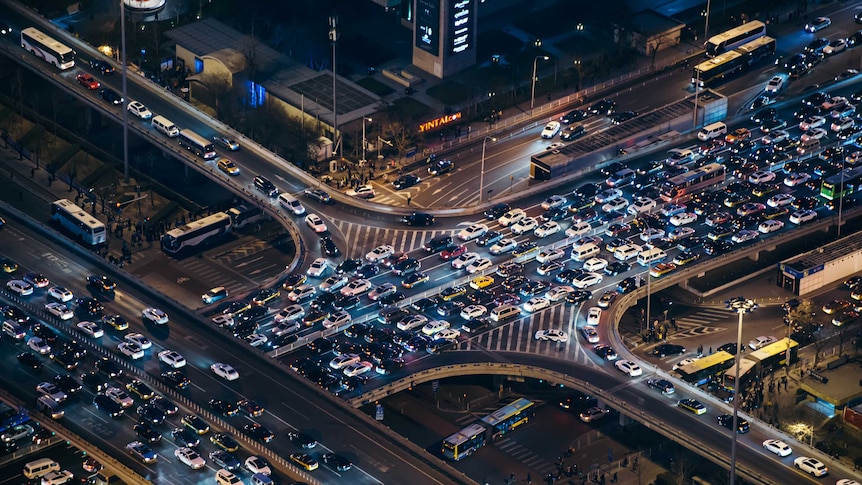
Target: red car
{"points": [[452, 252], [88, 81]]}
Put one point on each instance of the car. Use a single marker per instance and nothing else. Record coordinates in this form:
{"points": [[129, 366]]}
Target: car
{"points": [[154, 315], [552, 334], [761, 177], [605, 107], [802, 216], [628, 367], [301, 293], [318, 195], [227, 462], [745, 236], [224, 441], [147, 433], [7, 265], [190, 458], [361, 192], [692, 405], [379, 253], [406, 181], [503, 246], [536, 304], [196, 424], [762, 341], [304, 460], [21, 287], [414, 279], [511, 217], [226, 142], [812, 466], [224, 371], [259, 432], [681, 233], [547, 229], [607, 298], [102, 66], [52, 391], [356, 288], [726, 420], [606, 352], [418, 219], [662, 385], [818, 23], [593, 414], [524, 225], [558, 293], [778, 447], [317, 269], [131, 350], [357, 368], [590, 334], [88, 81], [551, 130], [16, 433], [624, 116], [59, 310], [771, 225], [142, 452], [615, 205], [664, 350], [138, 109], [775, 85], [256, 464], [141, 389], [172, 358]]}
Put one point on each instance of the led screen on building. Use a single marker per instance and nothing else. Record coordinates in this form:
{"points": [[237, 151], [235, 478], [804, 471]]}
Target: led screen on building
{"points": [[461, 25], [428, 26]]}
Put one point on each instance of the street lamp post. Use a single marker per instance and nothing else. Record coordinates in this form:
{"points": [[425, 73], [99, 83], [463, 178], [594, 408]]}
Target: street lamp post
{"points": [[482, 172], [580, 75], [533, 90], [364, 119], [840, 200], [380, 141], [741, 306]]}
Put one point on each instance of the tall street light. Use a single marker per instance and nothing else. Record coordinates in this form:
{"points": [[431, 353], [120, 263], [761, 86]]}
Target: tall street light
{"points": [[364, 119], [482, 172], [580, 75], [741, 306], [533, 91]]}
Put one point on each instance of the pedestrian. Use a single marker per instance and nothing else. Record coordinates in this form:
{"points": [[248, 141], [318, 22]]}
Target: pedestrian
{"points": [[409, 200], [615, 478], [32, 172], [529, 478]]}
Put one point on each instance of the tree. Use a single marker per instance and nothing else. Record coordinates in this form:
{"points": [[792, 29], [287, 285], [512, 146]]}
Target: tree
{"points": [[653, 46], [401, 136], [682, 467], [218, 84], [806, 317]]}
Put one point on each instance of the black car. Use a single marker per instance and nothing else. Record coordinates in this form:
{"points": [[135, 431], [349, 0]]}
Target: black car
{"points": [[390, 300], [302, 439], [627, 285], [726, 420], [588, 190], [90, 306], [94, 381], [323, 301], [67, 383], [103, 67], [406, 266], [66, 358], [29, 359], [107, 405], [176, 379], [423, 304], [661, 385], [367, 270], [759, 102], [604, 107], [817, 45], [185, 437], [328, 247], [266, 186], [573, 133], [319, 195], [489, 238], [343, 302], [764, 115], [253, 314], [101, 283], [729, 347], [496, 211], [617, 267], [44, 332], [11, 312], [108, 367], [440, 167], [405, 181], [348, 266], [573, 116], [147, 433], [624, 116], [611, 169], [668, 349], [259, 432], [110, 96], [389, 366], [418, 219]]}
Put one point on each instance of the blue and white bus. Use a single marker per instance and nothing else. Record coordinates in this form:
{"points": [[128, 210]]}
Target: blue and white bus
{"points": [[49, 50], [196, 144], [85, 227], [196, 233], [735, 37]]}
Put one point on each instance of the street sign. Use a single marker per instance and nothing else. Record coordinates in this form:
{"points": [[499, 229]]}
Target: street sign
{"points": [[435, 385], [378, 415]]}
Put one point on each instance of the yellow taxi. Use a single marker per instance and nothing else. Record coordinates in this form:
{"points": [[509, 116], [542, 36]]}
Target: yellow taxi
{"points": [[304, 460], [452, 292], [738, 135], [480, 282], [227, 166], [662, 269], [8, 265]]}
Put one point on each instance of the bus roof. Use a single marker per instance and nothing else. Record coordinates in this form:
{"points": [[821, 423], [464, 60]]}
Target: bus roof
{"points": [[752, 26], [775, 348], [720, 357], [850, 174], [718, 61], [465, 434], [80, 214], [49, 42], [745, 365], [193, 225], [507, 411], [696, 173], [755, 44]]}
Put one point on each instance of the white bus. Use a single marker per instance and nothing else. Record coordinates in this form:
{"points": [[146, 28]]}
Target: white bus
{"points": [[47, 49], [84, 226], [193, 142], [196, 233], [735, 37]]}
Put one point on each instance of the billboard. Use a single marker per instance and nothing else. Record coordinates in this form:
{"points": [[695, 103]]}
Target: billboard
{"points": [[461, 25], [428, 26]]}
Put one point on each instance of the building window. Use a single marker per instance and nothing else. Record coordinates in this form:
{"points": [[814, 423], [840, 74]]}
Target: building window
{"points": [[199, 65], [256, 95]]}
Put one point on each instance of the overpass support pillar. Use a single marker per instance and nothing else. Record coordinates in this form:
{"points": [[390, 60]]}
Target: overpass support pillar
{"points": [[625, 420]]}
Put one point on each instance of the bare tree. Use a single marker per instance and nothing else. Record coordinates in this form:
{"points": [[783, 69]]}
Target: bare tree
{"points": [[682, 467], [218, 85], [806, 317], [401, 136], [653, 46]]}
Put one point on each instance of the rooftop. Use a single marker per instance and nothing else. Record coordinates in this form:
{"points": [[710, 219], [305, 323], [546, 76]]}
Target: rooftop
{"points": [[827, 253]]}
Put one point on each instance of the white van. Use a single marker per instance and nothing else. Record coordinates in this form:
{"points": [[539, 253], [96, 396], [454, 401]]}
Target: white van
{"points": [[650, 256], [711, 131], [627, 252], [166, 126], [49, 407], [291, 203], [14, 330], [505, 312], [622, 178], [808, 147], [585, 252], [40, 468]]}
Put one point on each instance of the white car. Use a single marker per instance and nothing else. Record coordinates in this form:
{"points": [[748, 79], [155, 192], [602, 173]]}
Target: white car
{"points": [[21, 287], [761, 177], [651, 234], [778, 447], [590, 334], [745, 236], [593, 414], [511, 217], [59, 310], [448, 334], [472, 232], [761, 342], [526, 224], [595, 264], [52, 391], [435, 326], [337, 319], [842, 124], [683, 363], [315, 223], [131, 350], [814, 134], [683, 218], [627, 251], [553, 202], [547, 229], [594, 314], [343, 361], [119, 396], [780, 200], [334, 283], [138, 339], [479, 265], [549, 255], [255, 464], [615, 205], [190, 458], [552, 334], [669, 210], [362, 192], [287, 326], [60, 293], [225, 371], [641, 204], [558, 293], [551, 130], [535, 304], [138, 109], [256, 339], [356, 288], [579, 229], [410, 323], [681, 233], [775, 136], [39, 346], [801, 216], [358, 368], [771, 225], [92, 329], [225, 477], [834, 47], [818, 23], [382, 290], [301, 292], [586, 280], [679, 156], [172, 358], [775, 85], [473, 311], [57, 477], [155, 315], [465, 260], [379, 253], [503, 246], [629, 367], [318, 268], [812, 122], [795, 179], [812, 466]]}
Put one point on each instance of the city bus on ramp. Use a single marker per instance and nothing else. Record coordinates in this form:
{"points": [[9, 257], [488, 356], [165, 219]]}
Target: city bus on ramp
{"points": [[734, 61], [196, 144], [841, 184], [46, 48], [761, 362], [84, 226], [679, 189], [196, 233], [735, 37], [491, 427], [707, 368]]}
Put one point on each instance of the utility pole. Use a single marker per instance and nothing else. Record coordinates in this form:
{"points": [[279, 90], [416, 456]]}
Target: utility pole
{"points": [[125, 78], [333, 37]]}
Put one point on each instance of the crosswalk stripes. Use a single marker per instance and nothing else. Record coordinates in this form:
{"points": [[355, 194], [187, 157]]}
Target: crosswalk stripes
{"points": [[212, 275], [699, 323], [524, 455], [361, 238]]}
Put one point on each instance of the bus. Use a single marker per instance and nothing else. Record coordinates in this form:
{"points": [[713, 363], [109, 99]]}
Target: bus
{"points": [[734, 61], [747, 368], [47, 49], [196, 233], [193, 142], [85, 227], [841, 184], [707, 368], [491, 427], [733, 38], [679, 189], [244, 215], [762, 361]]}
